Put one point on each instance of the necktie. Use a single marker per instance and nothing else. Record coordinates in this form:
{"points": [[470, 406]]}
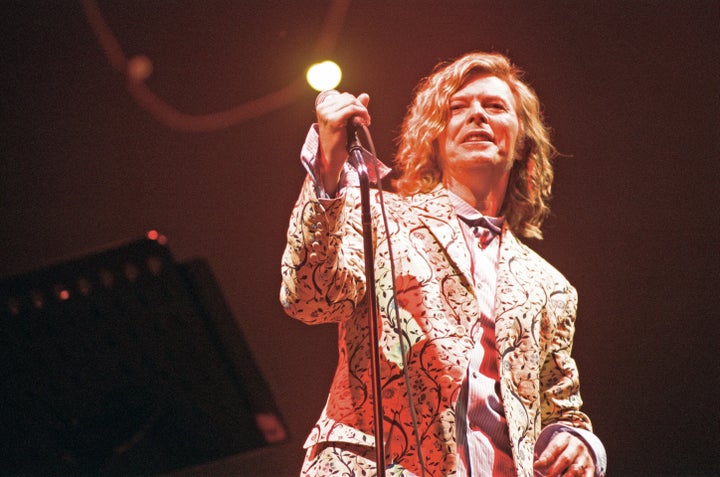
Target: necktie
{"points": [[483, 229]]}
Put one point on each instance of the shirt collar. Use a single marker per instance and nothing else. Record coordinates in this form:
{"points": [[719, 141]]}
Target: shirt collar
{"points": [[473, 217]]}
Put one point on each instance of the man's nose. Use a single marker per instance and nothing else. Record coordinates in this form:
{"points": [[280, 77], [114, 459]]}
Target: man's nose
{"points": [[477, 113]]}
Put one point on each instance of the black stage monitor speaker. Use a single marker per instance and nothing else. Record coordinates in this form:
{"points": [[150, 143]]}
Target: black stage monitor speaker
{"points": [[124, 362]]}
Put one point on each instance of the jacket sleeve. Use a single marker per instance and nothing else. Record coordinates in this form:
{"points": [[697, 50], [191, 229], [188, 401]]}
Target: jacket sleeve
{"points": [[322, 266], [559, 379]]}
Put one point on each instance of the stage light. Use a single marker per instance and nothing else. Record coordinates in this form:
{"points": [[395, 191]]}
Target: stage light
{"points": [[324, 75], [157, 236], [38, 300], [61, 293]]}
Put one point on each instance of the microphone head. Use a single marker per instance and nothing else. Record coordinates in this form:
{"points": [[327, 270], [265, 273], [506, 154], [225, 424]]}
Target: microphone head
{"points": [[324, 94]]}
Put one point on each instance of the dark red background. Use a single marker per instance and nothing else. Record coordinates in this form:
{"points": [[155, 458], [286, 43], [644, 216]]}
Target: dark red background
{"points": [[629, 87]]}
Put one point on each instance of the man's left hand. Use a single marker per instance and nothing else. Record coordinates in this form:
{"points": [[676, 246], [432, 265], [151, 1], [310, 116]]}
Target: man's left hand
{"points": [[566, 455]]}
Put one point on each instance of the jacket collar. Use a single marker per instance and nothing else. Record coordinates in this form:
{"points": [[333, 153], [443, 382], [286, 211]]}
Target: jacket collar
{"points": [[437, 213]]}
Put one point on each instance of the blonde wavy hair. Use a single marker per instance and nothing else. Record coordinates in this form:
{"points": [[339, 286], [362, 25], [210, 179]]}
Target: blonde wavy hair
{"points": [[526, 203]]}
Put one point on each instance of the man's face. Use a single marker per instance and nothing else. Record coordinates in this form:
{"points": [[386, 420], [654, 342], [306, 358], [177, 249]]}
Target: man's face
{"points": [[482, 129]]}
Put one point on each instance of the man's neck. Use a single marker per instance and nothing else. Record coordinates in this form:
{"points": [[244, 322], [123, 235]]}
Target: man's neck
{"points": [[487, 201]]}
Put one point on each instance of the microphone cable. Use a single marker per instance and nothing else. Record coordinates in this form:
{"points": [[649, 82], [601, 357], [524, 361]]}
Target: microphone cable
{"points": [[396, 307]]}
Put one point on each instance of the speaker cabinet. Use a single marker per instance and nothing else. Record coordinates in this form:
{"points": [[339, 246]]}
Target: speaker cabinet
{"points": [[122, 362]]}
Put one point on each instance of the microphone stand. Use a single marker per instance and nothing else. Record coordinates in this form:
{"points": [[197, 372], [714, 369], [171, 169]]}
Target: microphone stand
{"points": [[356, 159]]}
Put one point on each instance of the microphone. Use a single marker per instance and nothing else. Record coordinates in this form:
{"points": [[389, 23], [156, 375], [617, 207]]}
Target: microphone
{"points": [[354, 122], [324, 95]]}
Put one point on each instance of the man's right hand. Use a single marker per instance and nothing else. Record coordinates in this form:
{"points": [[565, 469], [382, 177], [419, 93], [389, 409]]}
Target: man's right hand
{"points": [[334, 110]]}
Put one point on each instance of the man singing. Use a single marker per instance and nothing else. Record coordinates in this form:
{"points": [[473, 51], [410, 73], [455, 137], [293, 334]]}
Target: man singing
{"points": [[476, 329]]}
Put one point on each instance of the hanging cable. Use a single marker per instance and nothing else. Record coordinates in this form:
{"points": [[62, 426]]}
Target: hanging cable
{"points": [[138, 68]]}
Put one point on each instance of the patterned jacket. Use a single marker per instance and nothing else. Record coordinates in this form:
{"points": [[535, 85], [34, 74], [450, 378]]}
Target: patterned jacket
{"points": [[324, 281]]}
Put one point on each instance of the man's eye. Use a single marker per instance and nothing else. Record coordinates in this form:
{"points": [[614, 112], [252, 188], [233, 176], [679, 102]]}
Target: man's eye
{"points": [[497, 106]]}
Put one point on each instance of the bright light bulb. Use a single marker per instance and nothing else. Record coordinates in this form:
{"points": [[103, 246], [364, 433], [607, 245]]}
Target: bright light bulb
{"points": [[324, 76]]}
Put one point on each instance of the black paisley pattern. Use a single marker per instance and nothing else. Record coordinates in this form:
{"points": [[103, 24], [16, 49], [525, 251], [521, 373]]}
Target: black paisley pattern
{"points": [[323, 282]]}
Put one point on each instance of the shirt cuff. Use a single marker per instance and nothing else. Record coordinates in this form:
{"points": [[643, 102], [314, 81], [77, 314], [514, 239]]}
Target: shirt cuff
{"points": [[592, 442], [309, 157]]}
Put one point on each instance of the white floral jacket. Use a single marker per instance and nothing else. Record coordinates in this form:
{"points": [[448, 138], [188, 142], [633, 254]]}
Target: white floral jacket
{"points": [[323, 281]]}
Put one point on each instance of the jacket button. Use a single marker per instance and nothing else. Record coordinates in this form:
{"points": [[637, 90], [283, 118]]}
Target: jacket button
{"points": [[445, 380]]}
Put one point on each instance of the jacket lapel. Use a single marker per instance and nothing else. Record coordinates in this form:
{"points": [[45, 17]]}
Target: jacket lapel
{"points": [[436, 212], [518, 302]]}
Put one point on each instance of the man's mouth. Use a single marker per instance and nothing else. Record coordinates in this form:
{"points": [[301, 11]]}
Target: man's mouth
{"points": [[478, 136]]}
